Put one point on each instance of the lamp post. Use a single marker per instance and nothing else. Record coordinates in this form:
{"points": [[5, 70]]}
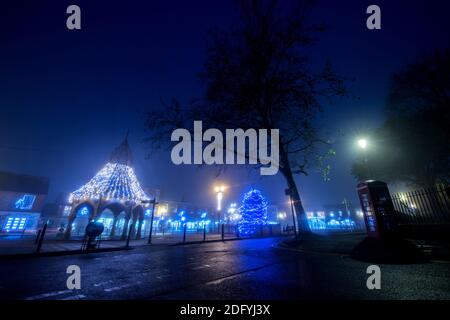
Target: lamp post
{"points": [[219, 195], [153, 202]]}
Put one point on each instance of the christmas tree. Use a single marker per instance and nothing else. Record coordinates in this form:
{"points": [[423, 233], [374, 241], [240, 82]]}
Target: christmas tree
{"points": [[253, 212]]}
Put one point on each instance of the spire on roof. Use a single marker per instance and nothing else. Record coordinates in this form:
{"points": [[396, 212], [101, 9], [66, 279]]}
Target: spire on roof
{"points": [[122, 153]]}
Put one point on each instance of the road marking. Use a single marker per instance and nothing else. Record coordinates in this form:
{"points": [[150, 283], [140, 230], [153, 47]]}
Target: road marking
{"points": [[222, 280], [113, 289], [163, 276], [121, 287], [202, 267], [77, 297], [48, 294], [102, 283]]}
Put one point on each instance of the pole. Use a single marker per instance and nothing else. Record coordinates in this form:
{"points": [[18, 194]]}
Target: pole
{"points": [[41, 239], [366, 164], [218, 221], [223, 231], [184, 233], [151, 221], [38, 236], [129, 234], [293, 218], [204, 231]]}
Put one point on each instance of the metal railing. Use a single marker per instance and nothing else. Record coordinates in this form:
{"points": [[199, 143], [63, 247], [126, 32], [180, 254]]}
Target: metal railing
{"points": [[424, 206]]}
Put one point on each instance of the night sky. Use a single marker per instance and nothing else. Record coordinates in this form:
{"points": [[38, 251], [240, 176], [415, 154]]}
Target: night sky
{"points": [[67, 98]]}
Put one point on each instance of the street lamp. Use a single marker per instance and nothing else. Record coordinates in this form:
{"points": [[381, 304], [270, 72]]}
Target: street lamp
{"points": [[362, 143], [219, 195]]}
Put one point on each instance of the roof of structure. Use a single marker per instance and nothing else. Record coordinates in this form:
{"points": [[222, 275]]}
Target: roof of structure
{"points": [[115, 181]]}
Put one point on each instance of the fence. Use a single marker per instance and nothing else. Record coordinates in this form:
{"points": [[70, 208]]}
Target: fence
{"points": [[48, 239], [426, 206]]}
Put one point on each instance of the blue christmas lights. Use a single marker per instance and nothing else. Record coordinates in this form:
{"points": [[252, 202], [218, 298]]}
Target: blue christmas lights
{"points": [[253, 212]]}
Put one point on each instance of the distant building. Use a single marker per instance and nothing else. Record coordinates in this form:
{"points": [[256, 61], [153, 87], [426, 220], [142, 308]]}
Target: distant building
{"points": [[22, 198], [55, 213], [272, 214], [343, 215], [171, 215]]}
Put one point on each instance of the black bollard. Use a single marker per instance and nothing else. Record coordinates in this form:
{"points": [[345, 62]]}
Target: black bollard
{"points": [[184, 233], [41, 239], [129, 234], [37, 236]]}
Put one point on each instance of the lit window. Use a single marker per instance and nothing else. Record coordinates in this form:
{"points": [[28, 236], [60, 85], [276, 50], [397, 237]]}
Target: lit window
{"points": [[67, 210], [15, 224]]}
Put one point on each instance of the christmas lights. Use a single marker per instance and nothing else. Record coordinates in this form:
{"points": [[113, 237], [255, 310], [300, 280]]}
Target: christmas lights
{"points": [[114, 182], [253, 212]]}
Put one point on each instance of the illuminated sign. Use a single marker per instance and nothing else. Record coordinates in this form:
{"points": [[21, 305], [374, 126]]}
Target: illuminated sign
{"points": [[26, 202]]}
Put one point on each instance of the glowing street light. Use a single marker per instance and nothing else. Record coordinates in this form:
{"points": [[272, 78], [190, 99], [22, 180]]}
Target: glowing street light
{"points": [[219, 194], [362, 143]]}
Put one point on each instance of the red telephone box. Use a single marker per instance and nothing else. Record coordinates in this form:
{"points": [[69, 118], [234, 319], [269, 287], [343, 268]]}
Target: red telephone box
{"points": [[377, 207]]}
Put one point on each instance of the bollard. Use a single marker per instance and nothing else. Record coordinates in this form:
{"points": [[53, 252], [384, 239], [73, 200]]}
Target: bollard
{"points": [[223, 231], [151, 222], [129, 234], [41, 239], [37, 236], [204, 232], [184, 233]]}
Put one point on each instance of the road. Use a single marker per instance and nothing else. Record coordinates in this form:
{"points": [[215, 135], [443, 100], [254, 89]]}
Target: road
{"points": [[247, 269]]}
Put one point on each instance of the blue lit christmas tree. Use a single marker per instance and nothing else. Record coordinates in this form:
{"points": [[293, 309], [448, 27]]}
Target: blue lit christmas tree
{"points": [[253, 212]]}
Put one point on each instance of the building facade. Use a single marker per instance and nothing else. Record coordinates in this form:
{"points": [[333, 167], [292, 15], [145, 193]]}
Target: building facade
{"points": [[22, 198]]}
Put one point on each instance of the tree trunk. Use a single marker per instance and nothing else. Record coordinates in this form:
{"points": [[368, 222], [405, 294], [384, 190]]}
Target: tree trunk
{"points": [[302, 222]]}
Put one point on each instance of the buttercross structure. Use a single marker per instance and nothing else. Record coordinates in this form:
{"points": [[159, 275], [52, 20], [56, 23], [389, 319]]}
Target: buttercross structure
{"points": [[113, 196]]}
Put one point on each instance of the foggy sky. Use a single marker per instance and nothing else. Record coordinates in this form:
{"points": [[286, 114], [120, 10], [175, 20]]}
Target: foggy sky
{"points": [[67, 98]]}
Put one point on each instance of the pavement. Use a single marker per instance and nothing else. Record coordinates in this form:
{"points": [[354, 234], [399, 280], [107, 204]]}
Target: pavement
{"points": [[19, 246], [248, 269]]}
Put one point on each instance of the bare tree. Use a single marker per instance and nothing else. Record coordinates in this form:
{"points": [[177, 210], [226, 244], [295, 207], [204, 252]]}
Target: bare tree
{"points": [[258, 75]]}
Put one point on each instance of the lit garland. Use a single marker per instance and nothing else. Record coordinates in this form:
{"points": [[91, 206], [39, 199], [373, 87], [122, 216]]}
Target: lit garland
{"points": [[114, 182], [253, 212]]}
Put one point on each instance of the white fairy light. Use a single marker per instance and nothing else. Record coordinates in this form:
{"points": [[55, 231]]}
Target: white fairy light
{"points": [[113, 182]]}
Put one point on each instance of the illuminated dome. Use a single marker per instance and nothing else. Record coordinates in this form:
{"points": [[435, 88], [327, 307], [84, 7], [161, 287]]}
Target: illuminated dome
{"points": [[115, 181]]}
